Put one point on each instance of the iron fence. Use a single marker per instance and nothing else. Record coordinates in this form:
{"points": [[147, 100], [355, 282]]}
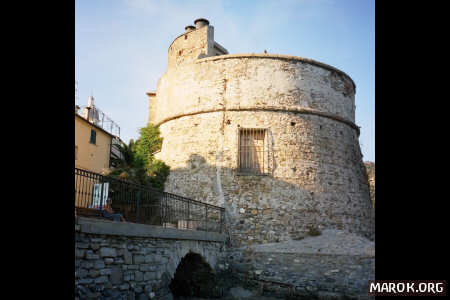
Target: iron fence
{"points": [[95, 194]]}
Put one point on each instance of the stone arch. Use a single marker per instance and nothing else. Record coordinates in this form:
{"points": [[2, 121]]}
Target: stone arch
{"points": [[194, 277], [206, 250]]}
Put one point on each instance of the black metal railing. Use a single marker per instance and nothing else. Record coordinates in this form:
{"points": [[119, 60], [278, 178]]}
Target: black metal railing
{"points": [[95, 193]]}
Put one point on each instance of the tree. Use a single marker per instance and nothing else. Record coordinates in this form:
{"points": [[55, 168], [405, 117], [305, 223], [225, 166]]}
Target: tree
{"points": [[136, 162], [148, 143]]}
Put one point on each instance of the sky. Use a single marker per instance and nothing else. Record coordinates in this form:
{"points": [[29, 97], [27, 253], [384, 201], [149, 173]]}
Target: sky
{"points": [[121, 47]]}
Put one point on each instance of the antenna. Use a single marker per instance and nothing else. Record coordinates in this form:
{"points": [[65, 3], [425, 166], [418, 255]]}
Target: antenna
{"points": [[76, 92]]}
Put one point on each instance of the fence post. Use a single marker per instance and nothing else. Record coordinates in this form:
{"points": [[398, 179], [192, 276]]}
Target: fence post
{"points": [[138, 198], [221, 220], [189, 215], [166, 211], [206, 216], [101, 194]]}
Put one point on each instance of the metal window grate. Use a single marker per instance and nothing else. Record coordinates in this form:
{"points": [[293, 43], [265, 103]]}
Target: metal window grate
{"points": [[253, 157]]}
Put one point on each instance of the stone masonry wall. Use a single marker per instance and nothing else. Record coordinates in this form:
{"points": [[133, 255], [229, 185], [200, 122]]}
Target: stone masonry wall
{"points": [[189, 46], [316, 177], [132, 267], [263, 81], [321, 275], [335, 263], [317, 174]]}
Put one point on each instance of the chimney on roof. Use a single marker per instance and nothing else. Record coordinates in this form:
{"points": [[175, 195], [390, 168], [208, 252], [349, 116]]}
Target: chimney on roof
{"points": [[90, 101], [201, 22], [189, 28]]}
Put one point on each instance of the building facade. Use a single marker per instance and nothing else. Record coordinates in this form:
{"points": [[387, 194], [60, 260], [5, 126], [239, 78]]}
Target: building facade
{"points": [[92, 142], [92, 146], [270, 137]]}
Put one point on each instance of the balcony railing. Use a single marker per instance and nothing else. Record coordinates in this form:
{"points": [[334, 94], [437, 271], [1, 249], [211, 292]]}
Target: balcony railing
{"points": [[95, 194], [100, 119]]}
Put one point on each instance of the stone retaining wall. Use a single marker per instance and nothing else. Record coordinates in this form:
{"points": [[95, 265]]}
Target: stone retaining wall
{"points": [[316, 275], [113, 265]]}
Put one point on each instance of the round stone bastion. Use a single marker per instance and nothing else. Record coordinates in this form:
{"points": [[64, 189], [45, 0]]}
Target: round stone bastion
{"points": [[269, 137]]}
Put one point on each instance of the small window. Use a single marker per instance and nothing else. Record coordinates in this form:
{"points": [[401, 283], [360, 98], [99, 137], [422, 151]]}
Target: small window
{"points": [[93, 137], [253, 151]]}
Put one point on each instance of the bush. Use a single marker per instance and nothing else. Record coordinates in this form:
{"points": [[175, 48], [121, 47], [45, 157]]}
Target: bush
{"points": [[137, 163], [314, 231]]}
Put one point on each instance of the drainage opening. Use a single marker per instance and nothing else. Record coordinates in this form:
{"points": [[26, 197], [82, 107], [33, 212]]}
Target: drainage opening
{"points": [[194, 277]]}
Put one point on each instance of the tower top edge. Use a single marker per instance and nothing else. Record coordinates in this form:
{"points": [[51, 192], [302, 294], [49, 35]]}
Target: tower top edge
{"points": [[277, 56]]}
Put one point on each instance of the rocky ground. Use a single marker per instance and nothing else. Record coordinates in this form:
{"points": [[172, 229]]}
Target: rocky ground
{"points": [[329, 242]]}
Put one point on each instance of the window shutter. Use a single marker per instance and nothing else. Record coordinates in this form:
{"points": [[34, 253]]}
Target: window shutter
{"points": [[93, 136]]}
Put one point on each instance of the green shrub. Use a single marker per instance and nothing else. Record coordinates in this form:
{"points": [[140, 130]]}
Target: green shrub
{"points": [[314, 231], [137, 163]]}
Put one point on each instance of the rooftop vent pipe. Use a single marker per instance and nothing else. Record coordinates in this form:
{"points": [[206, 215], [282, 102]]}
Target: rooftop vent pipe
{"points": [[189, 28], [201, 22], [90, 101]]}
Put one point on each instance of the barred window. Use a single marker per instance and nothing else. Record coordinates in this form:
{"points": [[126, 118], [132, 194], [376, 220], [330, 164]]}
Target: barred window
{"points": [[253, 151]]}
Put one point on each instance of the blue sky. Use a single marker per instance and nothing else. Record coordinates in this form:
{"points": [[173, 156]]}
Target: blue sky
{"points": [[121, 47]]}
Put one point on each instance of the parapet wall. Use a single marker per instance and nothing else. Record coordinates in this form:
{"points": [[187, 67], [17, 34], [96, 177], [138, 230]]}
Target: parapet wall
{"points": [[189, 46], [134, 261], [334, 265], [230, 82]]}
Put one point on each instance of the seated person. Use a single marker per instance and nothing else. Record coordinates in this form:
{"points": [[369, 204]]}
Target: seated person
{"points": [[108, 213]]}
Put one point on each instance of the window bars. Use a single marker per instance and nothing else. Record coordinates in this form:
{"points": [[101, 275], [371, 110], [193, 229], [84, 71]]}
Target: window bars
{"points": [[253, 154]]}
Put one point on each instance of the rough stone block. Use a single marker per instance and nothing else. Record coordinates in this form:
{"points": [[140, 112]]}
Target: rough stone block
{"points": [[94, 273], [128, 257], [86, 281], [138, 259], [108, 260], [108, 252], [99, 264], [79, 253], [101, 279], [116, 275], [91, 255], [149, 275], [82, 273], [105, 271], [138, 276], [128, 276], [81, 245], [95, 246]]}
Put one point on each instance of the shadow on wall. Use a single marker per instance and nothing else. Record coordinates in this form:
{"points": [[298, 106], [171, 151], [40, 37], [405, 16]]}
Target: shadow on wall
{"points": [[264, 209]]}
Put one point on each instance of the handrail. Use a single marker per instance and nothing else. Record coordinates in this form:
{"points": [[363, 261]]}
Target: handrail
{"points": [[143, 204]]}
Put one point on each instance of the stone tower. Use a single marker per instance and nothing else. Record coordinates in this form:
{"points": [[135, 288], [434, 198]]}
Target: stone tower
{"points": [[270, 137]]}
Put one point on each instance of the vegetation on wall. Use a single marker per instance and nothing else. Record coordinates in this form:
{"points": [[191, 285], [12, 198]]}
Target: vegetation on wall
{"points": [[370, 169], [136, 162]]}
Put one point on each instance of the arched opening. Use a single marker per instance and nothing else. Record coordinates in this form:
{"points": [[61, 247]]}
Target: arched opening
{"points": [[194, 277]]}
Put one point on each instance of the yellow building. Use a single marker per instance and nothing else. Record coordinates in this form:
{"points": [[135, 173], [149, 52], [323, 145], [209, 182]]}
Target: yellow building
{"points": [[96, 137], [92, 146]]}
